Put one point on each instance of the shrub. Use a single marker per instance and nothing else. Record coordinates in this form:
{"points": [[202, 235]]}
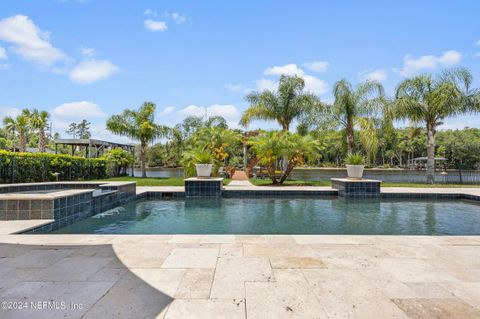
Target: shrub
{"points": [[118, 161], [40, 167], [273, 147]]}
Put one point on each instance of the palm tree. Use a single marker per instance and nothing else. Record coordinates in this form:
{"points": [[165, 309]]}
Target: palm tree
{"points": [[351, 105], [430, 100], [271, 146], [287, 103], [138, 125], [38, 120], [18, 125]]}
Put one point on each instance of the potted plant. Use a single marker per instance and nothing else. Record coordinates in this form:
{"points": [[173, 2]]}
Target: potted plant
{"points": [[203, 163], [355, 165]]}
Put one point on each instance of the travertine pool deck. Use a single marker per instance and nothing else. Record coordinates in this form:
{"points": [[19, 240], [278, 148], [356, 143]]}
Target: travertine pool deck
{"points": [[239, 276], [229, 276]]}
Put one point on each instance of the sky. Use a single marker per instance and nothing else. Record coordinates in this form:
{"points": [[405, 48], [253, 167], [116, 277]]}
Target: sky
{"points": [[93, 58]]}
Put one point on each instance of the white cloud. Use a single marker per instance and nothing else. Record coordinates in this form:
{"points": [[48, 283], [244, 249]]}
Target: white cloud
{"points": [[29, 41], [234, 87], [476, 55], [78, 110], [228, 111], [92, 71], [150, 12], [379, 75], [454, 126], [153, 25], [178, 18], [166, 111], [3, 54], [312, 83], [88, 52], [412, 65], [288, 69], [265, 84], [9, 111], [317, 66]]}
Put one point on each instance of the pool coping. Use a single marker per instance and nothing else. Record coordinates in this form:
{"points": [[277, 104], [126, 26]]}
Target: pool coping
{"points": [[177, 192]]}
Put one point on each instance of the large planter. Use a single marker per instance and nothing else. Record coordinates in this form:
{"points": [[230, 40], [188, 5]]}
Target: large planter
{"points": [[203, 170], [355, 171]]}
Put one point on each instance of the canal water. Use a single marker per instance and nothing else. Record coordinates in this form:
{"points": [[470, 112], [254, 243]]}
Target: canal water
{"points": [[319, 174]]}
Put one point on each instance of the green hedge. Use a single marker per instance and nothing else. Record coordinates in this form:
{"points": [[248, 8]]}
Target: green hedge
{"points": [[40, 167]]}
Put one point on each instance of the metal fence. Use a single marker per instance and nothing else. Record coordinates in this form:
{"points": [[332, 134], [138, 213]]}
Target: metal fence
{"points": [[390, 175]]}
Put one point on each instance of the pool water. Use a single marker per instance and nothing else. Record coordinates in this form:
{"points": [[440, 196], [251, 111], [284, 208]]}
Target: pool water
{"points": [[285, 216]]}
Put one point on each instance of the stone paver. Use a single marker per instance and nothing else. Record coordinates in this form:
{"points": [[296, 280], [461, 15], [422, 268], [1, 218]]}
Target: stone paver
{"points": [[230, 276], [232, 273], [191, 258], [206, 309]]}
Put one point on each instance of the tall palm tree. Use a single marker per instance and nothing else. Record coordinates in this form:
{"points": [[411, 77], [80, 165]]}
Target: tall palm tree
{"points": [[430, 100], [18, 125], [287, 103], [351, 105], [138, 125], [38, 120]]}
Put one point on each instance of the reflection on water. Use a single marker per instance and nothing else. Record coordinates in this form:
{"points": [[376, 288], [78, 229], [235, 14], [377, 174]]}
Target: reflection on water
{"points": [[286, 216]]}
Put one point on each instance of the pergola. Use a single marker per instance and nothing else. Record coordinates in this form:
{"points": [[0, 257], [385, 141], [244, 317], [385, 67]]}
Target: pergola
{"points": [[93, 147]]}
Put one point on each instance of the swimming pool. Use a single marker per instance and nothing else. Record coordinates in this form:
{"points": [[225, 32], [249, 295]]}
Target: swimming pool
{"points": [[331, 215]]}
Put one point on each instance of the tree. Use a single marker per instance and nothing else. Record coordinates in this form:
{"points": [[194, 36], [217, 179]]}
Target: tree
{"points": [[355, 106], [18, 125], [80, 130], [72, 129], [430, 100], [83, 129], [287, 103], [138, 125], [38, 120], [270, 147], [462, 147]]}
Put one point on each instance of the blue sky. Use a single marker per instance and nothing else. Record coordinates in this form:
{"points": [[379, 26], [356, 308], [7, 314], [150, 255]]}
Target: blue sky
{"points": [[93, 58]]}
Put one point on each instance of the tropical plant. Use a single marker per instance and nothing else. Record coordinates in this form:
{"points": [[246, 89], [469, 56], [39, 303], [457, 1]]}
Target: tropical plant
{"points": [[195, 156], [359, 106], [287, 103], [202, 157], [354, 159], [271, 147], [138, 125], [38, 120], [220, 143], [117, 160], [18, 125], [430, 100]]}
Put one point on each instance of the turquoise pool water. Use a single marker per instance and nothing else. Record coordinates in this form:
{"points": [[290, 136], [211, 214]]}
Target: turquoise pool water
{"points": [[285, 216]]}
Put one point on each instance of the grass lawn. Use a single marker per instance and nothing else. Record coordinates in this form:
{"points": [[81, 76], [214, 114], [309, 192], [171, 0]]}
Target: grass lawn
{"points": [[153, 181]]}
